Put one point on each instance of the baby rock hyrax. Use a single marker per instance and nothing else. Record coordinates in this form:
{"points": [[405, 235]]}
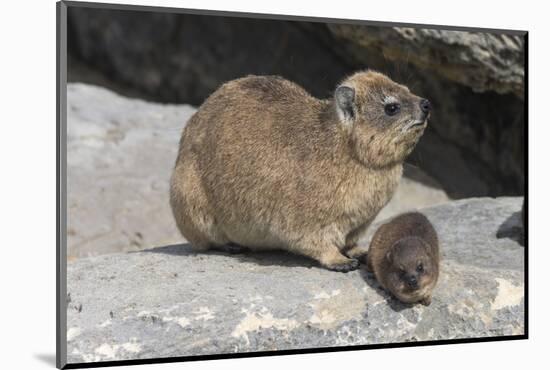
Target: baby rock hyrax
{"points": [[264, 165], [404, 256]]}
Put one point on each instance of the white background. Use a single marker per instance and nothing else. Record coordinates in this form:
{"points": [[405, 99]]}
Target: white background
{"points": [[27, 165]]}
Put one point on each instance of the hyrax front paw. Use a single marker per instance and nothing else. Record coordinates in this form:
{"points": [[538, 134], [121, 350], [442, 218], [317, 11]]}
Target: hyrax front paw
{"points": [[358, 253], [350, 265], [426, 301]]}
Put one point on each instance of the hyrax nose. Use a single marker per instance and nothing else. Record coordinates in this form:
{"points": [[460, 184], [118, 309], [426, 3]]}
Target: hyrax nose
{"points": [[425, 106]]}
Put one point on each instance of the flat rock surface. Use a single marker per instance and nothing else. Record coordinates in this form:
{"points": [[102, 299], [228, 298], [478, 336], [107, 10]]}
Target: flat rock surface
{"points": [[171, 301], [120, 155]]}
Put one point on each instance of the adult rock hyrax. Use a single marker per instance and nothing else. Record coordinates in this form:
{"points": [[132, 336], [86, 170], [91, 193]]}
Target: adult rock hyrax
{"points": [[404, 256], [264, 165]]}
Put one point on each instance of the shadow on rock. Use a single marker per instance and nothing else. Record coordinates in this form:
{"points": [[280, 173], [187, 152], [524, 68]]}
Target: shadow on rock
{"points": [[268, 258], [174, 249], [279, 258], [512, 228], [392, 302]]}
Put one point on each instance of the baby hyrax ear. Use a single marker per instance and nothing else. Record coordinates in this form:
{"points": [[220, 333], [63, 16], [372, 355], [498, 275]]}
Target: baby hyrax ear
{"points": [[345, 103], [389, 256]]}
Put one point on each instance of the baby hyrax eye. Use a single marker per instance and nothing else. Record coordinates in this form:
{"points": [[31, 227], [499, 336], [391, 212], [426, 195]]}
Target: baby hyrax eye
{"points": [[392, 109], [420, 267]]}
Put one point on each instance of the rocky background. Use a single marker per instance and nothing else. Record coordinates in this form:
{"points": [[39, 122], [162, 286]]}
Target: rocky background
{"points": [[137, 290], [474, 146]]}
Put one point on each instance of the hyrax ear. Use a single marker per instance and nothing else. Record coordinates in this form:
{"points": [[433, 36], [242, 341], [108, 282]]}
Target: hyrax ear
{"points": [[345, 102]]}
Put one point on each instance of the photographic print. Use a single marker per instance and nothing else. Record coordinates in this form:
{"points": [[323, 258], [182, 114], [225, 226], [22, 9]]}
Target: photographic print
{"points": [[237, 184]]}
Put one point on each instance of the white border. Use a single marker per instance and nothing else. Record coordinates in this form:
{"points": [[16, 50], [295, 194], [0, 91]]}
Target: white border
{"points": [[28, 182]]}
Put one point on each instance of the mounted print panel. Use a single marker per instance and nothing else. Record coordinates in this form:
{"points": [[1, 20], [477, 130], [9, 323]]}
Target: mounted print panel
{"points": [[237, 184]]}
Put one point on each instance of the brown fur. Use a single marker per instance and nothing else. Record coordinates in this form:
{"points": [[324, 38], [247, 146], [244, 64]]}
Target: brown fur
{"points": [[396, 250], [264, 165]]}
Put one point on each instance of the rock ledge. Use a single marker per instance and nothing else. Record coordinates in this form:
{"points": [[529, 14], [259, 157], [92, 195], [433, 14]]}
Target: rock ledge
{"points": [[169, 301]]}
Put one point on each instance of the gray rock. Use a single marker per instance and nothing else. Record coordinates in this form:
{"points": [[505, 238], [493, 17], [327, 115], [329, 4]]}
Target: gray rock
{"points": [[120, 153], [170, 301], [184, 58], [483, 61], [120, 156]]}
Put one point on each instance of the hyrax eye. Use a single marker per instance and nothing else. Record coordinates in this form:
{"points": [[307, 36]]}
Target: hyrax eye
{"points": [[420, 268], [392, 108]]}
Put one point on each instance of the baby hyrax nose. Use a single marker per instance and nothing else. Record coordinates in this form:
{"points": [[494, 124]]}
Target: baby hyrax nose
{"points": [[425, 106], [412, 282]]}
